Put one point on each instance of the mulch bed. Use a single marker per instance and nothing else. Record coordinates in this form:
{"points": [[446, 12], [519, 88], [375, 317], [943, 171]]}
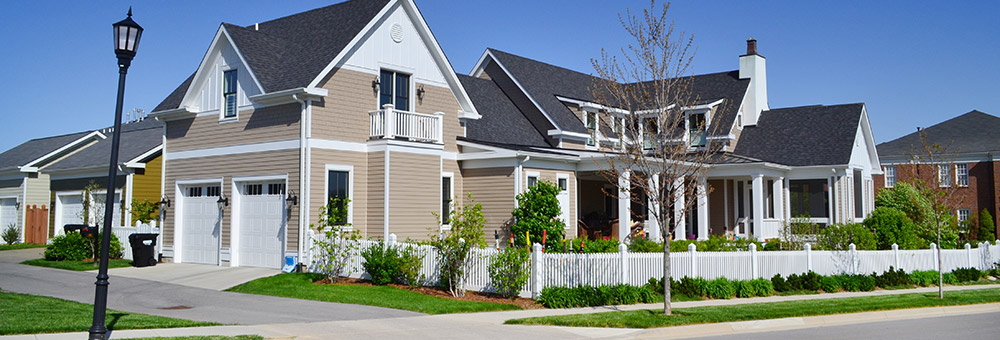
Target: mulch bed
{"points": [[525, 303]]}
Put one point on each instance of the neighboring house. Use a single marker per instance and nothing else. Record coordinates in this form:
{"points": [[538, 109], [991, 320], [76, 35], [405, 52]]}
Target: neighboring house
{"points": [[139, 176], [969, 164], [23, 181], [275, 122]]}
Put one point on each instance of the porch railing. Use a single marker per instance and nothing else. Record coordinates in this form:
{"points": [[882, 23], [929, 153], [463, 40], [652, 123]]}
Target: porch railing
{"points": [[389, 123]]}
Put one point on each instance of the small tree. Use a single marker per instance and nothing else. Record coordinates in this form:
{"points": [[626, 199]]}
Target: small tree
{"points": [[987, 228], [144, 210], [891, 226], [340, 242], [11, 234], [538, 210], [796, 232], [454, 246], [509, 270]]}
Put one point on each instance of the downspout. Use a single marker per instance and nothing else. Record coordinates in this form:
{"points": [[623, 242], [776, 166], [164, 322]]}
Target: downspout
{"points": [[303, 176], [24, 208]]}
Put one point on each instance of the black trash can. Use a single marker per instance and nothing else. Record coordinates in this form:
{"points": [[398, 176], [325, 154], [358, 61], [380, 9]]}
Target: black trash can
{"points": [[143, 249]]}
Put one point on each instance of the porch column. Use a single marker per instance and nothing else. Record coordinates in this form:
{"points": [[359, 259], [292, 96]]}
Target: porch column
{"points": [[787, 211], [758, 204], [624, 204], [652, 222], [680, 224], [778, 191], [703, 208]]}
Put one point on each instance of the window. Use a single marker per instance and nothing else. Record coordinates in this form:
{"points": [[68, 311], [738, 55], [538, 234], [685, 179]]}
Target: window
{"points": [[213, 191], [963, 215], [532, 180], [194, 192], [394, 88], [859, 194], [276, 188], [890, 176], [591, 118], [253, 189], [944, 175], [962, 174], [648, 133], [696, 129], [809, 198], [563, 184], [229, 93], [337, 190], [446, 200]]}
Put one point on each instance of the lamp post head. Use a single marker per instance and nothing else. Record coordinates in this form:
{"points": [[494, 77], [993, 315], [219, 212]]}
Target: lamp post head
{"points": [[127, 35]]}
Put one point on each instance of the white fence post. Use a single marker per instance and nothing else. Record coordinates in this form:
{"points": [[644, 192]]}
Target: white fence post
{"points": [[391, 241], [623, 256], [536, 270], [895, 256], [968, 253], [809, 257], [854, 258], [934, 257], [693, 251], [754, 266]]}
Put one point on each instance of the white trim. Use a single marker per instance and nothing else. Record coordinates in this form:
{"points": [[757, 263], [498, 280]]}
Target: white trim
{"points": [[326, 144], [134, 162], [236, 197], [528, 175], [179, 197], [32, 166], [569, 216], [24, 209], [385, 193], [58, 206], [204, 60], [223, 105], [232, 150], [288, 96], [350, 186], [451, 195]]}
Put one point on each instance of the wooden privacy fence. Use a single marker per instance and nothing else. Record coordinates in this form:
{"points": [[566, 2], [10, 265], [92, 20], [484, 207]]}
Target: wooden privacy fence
{"points": [[36, 228], [570, 270]]}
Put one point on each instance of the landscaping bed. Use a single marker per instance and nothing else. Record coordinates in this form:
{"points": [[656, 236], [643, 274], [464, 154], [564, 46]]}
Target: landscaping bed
{"points": [[524, 303], [84, 265]]}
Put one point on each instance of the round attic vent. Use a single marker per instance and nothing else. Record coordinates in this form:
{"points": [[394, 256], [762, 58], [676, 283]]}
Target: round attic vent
{"points": [[396, 32]]}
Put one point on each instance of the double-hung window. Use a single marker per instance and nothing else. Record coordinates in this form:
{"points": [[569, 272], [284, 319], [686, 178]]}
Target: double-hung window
{"points": [[532, 180], [446, 194], [337, 192], [229, 93], [962, 174], [890, 176], [394, 88], [963, 215], [591, 127], [944, 175], [696, 129]]}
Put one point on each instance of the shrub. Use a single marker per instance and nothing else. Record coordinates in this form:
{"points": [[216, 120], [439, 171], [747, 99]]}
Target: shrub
{"points": [[849, 283], [892, 277], [810, 281], [336, 247], [830, 284], [720, 288], [692, 286], [411, 262], [779, 283], [580, 245], [840, 236], [454, 246], [794, 282], [381, 263], [949, 278], [987, 229], [144, 210], [644, 245], [762, 287], [509, 271], [892, 226], [866, 283], [537, 211], [744, 289], [11, 234], [924, 278], [967, 274], [585, 296], [68, 247]]}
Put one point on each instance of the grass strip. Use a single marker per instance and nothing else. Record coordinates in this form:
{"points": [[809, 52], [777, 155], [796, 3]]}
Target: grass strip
{"points": [[300, 286], [208, 337], [762, 311], [76, 265], [20, 246], [32, 314]]}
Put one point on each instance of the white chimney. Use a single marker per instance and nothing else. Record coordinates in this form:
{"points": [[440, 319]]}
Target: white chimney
{"points": [[752, 65]]}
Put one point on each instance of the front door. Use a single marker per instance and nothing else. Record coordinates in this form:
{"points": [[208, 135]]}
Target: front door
{"points": [[563, 196]]}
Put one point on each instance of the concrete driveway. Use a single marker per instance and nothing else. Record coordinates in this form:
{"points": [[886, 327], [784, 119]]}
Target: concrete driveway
{"points": [[195, 275]]}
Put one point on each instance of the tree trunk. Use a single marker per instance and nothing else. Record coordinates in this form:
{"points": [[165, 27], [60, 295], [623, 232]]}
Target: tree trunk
{"points": [[940, 269], [665, 229]]}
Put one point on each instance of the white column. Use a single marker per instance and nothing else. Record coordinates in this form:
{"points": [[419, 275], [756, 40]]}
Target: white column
{"points": [[787, 211], [679, 218], [390, 122], [778, 191], [653, 224], [703, 209], [758, 203], [624, 204], [725, 204]]}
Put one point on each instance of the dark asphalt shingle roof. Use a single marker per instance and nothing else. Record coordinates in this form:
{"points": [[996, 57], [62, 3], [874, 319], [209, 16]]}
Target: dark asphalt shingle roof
{"points": [[544, 82], [802, 136], [133, 144], [173, 100], [33, 149], [501, 120], [972, 132], [289, 52]]}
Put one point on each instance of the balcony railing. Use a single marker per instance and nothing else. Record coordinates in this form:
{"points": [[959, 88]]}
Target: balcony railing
{"points": [[389, 123]]}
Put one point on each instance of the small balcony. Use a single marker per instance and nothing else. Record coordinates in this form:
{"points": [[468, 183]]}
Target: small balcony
{"points": [[389, 123]]}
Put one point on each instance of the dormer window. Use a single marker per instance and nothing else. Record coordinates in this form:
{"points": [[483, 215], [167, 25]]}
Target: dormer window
{"points": [[591, 127], [696, 129], [229, 93], [394, 88]]}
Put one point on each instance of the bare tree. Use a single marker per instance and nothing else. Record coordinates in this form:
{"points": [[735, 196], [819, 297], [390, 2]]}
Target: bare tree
{"points": [[659, 132]]}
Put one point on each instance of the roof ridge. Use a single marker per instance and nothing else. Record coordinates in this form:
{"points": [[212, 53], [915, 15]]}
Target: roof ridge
{"points": [[62, 135]]}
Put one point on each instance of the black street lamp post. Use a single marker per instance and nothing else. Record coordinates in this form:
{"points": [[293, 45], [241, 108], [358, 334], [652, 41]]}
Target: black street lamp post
{"points": [[127, 34]]}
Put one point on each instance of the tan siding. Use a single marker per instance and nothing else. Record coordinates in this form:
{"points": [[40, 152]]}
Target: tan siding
{"points": [[573, 144], [147, 185], [376, 194], [494, 189], [414, 187], [280, 162], [359, 187], [275, 123], [441, 99], [458, 182]]}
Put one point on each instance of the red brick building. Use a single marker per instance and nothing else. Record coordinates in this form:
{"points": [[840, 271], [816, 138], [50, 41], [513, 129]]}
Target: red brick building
{"points": [[968, 168]]}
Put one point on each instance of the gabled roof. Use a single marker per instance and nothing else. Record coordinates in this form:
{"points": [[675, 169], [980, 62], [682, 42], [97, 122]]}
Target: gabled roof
{"points": [[34, 149], [972, 132], [134, 142], [501, 121], [544, 82], [803, 136]]}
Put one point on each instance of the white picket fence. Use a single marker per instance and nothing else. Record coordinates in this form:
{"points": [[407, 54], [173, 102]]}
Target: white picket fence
{"points": [[570, 270], [123, 232]]}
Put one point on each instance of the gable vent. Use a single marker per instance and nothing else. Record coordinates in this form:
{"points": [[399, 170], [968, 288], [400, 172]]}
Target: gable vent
{"points": [[396, 32]]}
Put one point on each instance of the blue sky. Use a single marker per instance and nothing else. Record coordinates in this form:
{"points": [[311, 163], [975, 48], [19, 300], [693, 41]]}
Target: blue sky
{"points": [[912, 63]]}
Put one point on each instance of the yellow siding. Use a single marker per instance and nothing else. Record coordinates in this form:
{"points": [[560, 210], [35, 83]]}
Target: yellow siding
{"points": [[147, 185]]}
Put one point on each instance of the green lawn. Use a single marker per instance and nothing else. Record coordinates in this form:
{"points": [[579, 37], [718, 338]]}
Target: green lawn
{"points": [[20, 246], [30, 314], [209, 337], [760, 311], [300, 286], [76, 265]]}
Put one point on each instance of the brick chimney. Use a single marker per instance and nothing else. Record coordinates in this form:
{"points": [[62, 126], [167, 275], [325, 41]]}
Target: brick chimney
{"points": [[753, 67]]}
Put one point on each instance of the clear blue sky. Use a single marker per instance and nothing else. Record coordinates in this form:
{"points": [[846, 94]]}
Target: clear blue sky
{"points": [[913, 63]]}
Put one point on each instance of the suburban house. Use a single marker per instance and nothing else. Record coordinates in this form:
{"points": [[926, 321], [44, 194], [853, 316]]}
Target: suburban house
{"points": [[275, 122], [24, 184], [139, 176], [968, 163]]}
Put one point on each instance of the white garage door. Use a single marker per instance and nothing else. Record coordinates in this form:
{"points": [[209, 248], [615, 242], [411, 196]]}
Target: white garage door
{"points": [[200, 226], [8, 212], [70, 211], [262, 224], [98, 209]]}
